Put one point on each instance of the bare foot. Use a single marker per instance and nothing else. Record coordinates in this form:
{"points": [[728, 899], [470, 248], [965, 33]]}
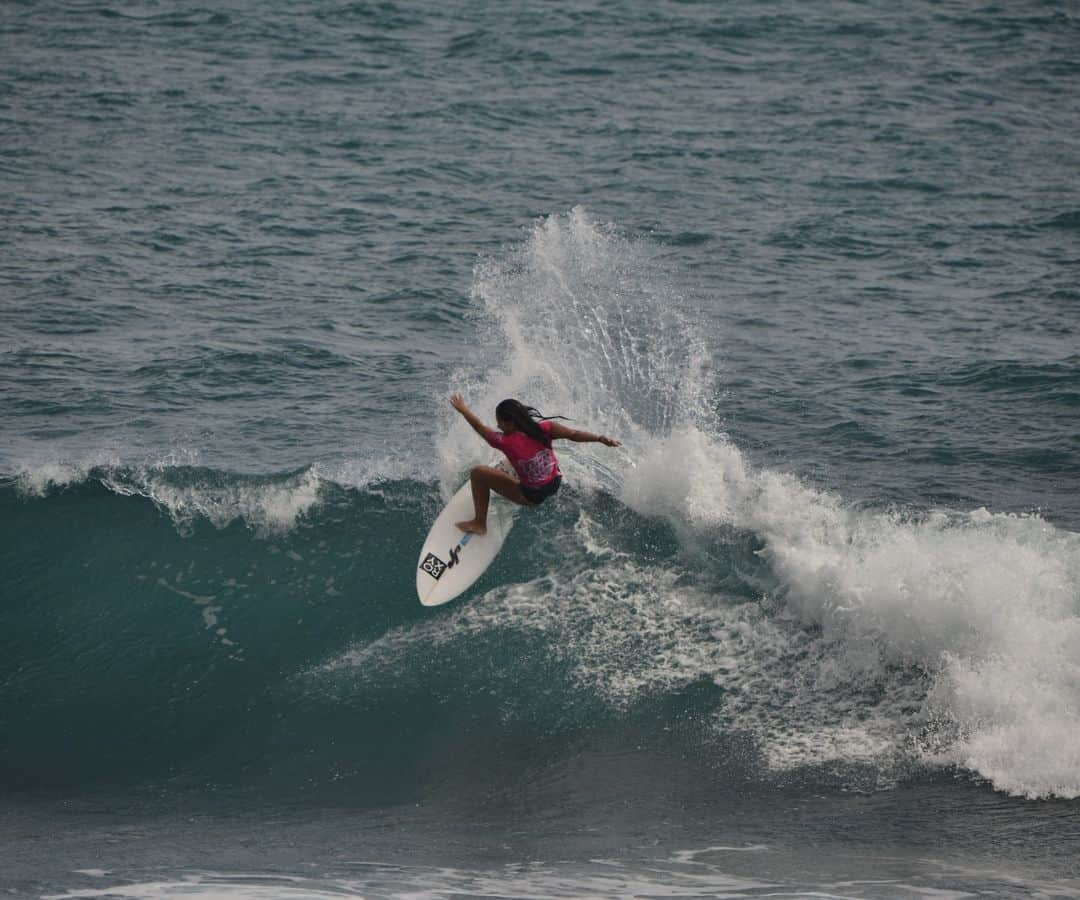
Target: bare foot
{"points": [[473, 526]]}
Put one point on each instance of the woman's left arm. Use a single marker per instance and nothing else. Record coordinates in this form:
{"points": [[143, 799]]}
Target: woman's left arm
{"points": [[581, 437]]}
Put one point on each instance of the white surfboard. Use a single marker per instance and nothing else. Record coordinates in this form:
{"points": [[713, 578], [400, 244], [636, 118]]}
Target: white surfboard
{"points": [[451, 559]]}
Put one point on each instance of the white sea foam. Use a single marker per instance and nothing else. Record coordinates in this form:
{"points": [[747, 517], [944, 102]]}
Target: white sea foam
{"points": [[964, 625], [986, 605]]}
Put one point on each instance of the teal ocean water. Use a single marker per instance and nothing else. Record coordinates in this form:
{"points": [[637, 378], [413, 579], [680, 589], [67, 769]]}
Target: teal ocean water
{"points": [[813, 629]]}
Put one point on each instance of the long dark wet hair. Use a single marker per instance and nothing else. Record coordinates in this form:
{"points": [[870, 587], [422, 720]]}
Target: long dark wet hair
{"points": [[525, 418]]}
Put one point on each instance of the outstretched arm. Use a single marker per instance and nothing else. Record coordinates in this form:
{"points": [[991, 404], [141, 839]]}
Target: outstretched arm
{"points": [[582, 437], [458, 402]]}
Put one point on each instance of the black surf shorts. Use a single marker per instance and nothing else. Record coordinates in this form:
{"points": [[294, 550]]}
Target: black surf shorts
{"points": [[537, 495]]}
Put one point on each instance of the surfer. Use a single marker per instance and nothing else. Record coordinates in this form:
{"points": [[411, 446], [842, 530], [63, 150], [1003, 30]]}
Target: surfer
{"points": [[525, 437]]}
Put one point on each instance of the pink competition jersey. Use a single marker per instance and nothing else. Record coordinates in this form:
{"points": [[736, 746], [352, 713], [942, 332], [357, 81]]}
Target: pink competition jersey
{"points": [[535, 464]]}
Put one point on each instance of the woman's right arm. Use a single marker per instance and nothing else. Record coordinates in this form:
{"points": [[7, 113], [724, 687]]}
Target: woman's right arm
{"points": [[458, 402]]}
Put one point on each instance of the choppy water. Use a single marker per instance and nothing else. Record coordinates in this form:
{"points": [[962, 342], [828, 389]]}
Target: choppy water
{"points": [[814, 628]]}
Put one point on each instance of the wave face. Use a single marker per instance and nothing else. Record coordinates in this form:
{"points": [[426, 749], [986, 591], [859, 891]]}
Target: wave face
{"points": [[181, 624]]}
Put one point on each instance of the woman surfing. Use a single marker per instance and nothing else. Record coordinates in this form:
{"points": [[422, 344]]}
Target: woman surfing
{"points": [[525, 437]]}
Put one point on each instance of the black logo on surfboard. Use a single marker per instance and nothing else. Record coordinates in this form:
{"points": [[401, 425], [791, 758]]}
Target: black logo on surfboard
{"points": [[433, 566]]}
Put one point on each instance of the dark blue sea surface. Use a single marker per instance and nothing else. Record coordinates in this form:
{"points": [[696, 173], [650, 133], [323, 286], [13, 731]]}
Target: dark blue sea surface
{"points": [[813, 629]]}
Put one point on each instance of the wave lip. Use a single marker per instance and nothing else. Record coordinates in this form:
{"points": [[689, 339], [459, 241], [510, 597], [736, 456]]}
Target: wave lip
{"points": [[186, 493], [272, 505], [189, 492], [39, 479]]}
